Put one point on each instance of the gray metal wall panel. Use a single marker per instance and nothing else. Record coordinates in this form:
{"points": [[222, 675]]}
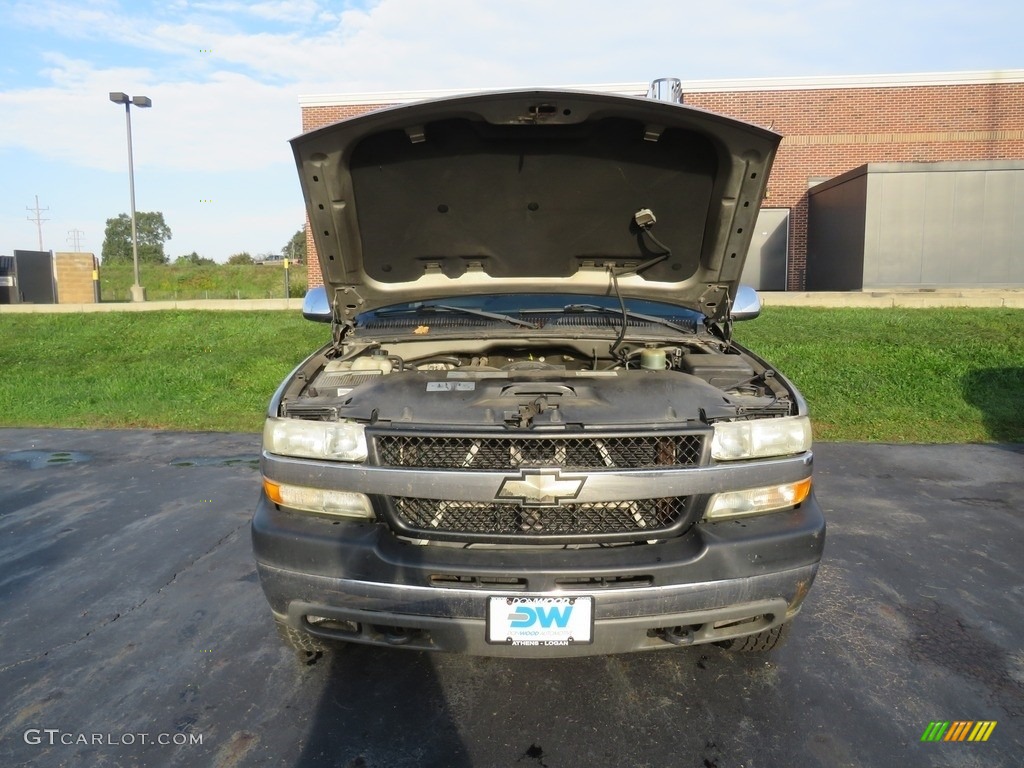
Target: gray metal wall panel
{"points": [[938, 229], [836, 235], [927, 227], [894, 229], [1017, 225], [997, 243], [967, 243]]}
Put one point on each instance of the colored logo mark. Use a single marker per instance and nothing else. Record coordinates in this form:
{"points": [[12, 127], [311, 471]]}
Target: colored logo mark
{"points": [[958, 730], [525, 616]]}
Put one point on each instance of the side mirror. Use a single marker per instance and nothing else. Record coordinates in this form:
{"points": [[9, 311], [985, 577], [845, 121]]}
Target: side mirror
{"points": [[747, 305], [316, 307]]}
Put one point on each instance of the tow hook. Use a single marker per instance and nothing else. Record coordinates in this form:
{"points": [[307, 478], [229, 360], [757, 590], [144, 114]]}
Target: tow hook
{"points": [[398, 635], [676, 635]]}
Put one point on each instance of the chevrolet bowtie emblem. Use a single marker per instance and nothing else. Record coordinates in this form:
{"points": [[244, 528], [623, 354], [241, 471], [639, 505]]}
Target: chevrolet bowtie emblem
{"points": [[540, 488]]}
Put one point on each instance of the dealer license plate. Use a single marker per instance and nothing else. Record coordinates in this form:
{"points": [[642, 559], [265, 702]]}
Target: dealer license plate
{"points": [[540, 620]]}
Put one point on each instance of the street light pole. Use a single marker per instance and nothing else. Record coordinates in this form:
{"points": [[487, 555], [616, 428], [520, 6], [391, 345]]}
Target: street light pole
{"points": [[138, 292]]}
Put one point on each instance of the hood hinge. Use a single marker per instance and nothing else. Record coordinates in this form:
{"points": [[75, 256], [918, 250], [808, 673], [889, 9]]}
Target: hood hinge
{"points": [[713, 301], [719, 323], [347, 304]]}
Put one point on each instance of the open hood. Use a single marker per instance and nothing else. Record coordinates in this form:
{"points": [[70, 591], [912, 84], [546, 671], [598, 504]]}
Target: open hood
{"points": [[534, 192]]}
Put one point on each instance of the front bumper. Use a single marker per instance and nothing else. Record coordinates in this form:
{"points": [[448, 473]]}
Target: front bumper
{"points": [[357, 582]]}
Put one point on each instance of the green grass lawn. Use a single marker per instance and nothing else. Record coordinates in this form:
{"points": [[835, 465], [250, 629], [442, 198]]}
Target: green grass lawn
{"points": [[889, 375], [173, 282], [901, 375], [171, 370]]}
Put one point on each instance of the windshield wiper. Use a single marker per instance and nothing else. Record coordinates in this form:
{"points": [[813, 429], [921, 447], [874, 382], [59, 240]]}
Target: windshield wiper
{"points": [[463, 311], [628, 313]]}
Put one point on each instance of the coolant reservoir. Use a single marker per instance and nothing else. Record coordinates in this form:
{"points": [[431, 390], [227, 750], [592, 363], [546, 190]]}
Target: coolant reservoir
{"points": [[652, 359], [376, 361]]}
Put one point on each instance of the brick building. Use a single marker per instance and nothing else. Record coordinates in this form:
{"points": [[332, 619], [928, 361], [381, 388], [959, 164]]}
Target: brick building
{"points": [[829, 125]]}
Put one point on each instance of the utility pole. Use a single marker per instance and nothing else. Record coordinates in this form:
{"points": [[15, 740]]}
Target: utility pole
{"points": [[75, 239], [38, 220]]}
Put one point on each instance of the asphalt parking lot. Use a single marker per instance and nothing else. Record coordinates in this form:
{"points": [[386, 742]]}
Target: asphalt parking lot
{"points": [[133, 633]]}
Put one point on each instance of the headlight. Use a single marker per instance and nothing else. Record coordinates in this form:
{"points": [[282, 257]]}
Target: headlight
{"points": [[334, 440], [759, 438], [319, 500], [757, 501]]}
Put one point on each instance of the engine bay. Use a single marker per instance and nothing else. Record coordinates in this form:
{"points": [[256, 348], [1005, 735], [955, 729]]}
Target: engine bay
{"points": [[486, 380]]}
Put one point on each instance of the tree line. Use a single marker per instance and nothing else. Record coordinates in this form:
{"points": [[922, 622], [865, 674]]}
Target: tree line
{"points": [[152, 233]]}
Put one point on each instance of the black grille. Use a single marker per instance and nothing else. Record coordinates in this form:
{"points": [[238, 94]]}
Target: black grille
{"points": [[575, 453], [642, 519]]}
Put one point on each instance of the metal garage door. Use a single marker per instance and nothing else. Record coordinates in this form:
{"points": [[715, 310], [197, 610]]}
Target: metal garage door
{"points": [[765, 268]]}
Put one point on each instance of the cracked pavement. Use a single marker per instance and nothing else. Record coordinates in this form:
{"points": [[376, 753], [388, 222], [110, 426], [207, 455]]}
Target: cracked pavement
{"points": [[129, 605]]}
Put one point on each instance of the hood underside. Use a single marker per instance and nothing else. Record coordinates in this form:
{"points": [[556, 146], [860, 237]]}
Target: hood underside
{"points": [[533, 192]]}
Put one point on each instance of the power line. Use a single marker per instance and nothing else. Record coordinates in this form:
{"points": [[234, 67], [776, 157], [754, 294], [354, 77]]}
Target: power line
{"points": [[38, 220], [75, 239]]}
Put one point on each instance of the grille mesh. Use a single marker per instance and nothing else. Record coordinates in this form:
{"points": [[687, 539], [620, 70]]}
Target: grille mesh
{"points": [[433, 517], [500, 453]]}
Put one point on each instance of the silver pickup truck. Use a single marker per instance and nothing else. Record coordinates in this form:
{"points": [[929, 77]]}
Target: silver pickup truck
{"points": [[531, 433]]}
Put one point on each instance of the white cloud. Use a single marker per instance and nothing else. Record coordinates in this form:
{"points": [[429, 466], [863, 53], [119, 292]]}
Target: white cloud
{"points": [[228, 122], [286, 11], [72, 20], [227, 114], [404, 44]]}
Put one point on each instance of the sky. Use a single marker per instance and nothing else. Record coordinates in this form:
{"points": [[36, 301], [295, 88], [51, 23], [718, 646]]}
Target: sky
{"points": [[225, 77]]}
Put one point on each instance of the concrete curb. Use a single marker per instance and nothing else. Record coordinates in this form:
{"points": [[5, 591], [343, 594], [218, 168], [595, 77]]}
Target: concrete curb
{"points": [[981, 297], [236, 305]]}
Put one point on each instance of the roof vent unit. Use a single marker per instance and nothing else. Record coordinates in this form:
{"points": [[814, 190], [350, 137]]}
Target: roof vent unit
{"points": [[666, 89]]}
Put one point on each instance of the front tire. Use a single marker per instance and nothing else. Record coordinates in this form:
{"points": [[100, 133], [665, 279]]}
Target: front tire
{"points": [[307, 648], [762, 642]]}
